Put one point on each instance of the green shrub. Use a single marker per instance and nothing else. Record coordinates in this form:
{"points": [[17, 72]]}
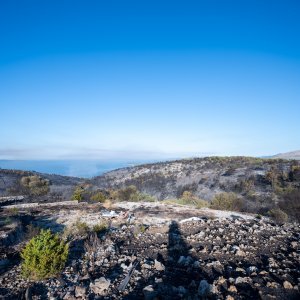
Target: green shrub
{"points": [[99, 197], [143, 228], [278, 215], [78, 194], [201, 203], [188, 198], [227, 201], [44, 256], [130, 193], [142, 197]]}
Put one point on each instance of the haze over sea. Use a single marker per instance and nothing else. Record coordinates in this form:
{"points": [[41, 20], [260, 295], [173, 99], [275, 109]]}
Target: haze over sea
{"points": [[77, 168]]}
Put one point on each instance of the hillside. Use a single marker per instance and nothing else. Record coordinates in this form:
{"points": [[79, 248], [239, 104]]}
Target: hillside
{"points": [[205, 177], [289, 155], [158, 249], [60, 187]]}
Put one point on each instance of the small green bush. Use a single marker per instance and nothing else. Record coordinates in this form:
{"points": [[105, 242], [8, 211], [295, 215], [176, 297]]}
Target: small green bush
{"points": [[44, 256], [99, 197], [278, 215], [127, 193], [130, 193], [227, 201], [78, 194], [200, 203], [188, 198]]}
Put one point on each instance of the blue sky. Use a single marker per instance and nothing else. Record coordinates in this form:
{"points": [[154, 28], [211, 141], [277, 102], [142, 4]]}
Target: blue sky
{"points": [[148, 79]]}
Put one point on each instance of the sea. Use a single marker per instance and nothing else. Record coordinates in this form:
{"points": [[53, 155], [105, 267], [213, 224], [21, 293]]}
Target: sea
{"points": [[76, 168]]}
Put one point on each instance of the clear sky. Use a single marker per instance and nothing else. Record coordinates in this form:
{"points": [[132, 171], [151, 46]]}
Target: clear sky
{"points": [[148, 79]]}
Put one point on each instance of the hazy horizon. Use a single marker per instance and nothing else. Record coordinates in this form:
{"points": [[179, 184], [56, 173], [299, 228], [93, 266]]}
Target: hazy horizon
{"points": [[146, 81]]}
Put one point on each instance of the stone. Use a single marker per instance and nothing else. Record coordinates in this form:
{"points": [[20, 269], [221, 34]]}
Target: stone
{"points": [[272, 263], [273, 285], [80, 291], [251, 269], [100, 285], [159, 266], [204, 288], [287, 285], [242, 280], [240, 271], [240, 253], [263, 273], [149, 292], [294, 245], [146, 266], [232, 289], [69, 296], [235, 248]]}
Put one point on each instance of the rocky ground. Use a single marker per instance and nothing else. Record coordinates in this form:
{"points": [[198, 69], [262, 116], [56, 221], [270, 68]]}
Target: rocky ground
{"points": [[162, 253]]}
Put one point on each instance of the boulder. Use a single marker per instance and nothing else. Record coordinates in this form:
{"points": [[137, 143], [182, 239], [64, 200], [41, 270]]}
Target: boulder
{"points": [[80, 291], [100, 286], [159, 266]]}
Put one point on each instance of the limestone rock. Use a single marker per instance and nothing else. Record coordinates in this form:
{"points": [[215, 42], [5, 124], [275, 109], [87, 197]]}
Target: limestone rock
{"points": [[100, 286], [159, 266], [287, 285], [80, 291], [232, 289]]}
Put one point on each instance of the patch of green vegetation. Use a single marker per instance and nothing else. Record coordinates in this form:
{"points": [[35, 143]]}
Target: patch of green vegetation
{"points": [[78, 194], [130, 193], [188, 198], [44, 256], [98, 197], [227, 201]]}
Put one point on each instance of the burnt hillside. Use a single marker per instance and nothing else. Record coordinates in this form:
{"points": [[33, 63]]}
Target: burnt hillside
{"points": [[249, 177]]}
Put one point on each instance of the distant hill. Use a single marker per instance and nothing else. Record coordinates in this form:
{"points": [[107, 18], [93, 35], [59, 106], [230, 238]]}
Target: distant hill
{"points": [[288, 155], [205, 177], [61, 187]]}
